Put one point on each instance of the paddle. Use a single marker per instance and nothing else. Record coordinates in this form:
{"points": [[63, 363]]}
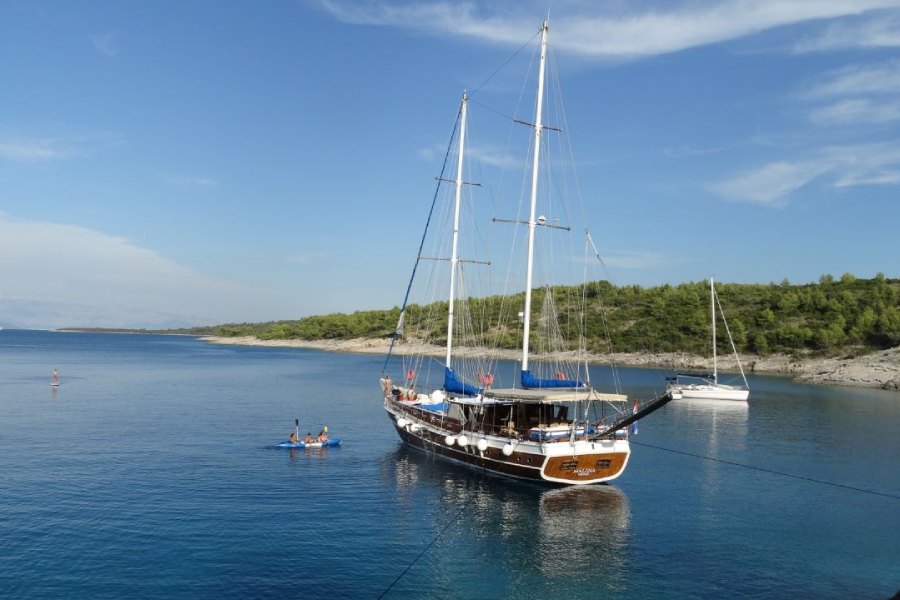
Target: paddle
{"points": [[297, 429]]}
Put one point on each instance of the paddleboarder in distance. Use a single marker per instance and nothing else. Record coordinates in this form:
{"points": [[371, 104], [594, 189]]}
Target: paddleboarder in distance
{"points": [[54, 381]]}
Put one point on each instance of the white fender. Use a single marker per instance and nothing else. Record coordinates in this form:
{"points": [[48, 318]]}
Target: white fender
{"points": [[507, 449], [401, 422], [462, 440], [449, 440], [482, 445]]}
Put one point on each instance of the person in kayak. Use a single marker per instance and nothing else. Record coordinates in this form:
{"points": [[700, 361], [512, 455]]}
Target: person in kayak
{"points": [[323, 435], [309, 437], [294, 439]]}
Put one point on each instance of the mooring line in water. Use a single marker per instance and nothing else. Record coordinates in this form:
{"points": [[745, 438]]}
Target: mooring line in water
{"points": [[772, 471], [426, 548]]}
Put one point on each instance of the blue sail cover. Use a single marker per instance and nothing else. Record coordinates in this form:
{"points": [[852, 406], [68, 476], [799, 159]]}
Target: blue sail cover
{"points": [[453, 385], [529, 381]]}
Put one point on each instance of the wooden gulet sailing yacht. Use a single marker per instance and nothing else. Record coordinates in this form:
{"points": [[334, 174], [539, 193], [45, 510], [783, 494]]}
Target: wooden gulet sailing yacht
{"points": [[541, 429]]}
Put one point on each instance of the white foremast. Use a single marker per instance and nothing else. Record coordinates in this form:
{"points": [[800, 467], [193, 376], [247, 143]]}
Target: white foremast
{"points": [[532, 223]]}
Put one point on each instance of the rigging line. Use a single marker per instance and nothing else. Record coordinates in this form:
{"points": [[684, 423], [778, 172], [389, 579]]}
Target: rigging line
{"points": [[422, 242], [503, 66], [426, 548], [492, 109], [730, 339], [609, 346], [772, 471], [492, 75]]}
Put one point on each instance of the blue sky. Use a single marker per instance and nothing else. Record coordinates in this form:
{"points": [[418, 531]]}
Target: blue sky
{"points": [[191, 162]]}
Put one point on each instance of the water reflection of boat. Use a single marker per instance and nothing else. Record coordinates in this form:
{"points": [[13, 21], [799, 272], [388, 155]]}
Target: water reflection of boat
{"points": [[582, 529], [572, 533], [320, 452], [720, 421], [723, 426]]}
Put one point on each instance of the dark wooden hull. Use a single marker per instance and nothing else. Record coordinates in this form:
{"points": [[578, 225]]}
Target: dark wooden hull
{"points": [[551, 462]]}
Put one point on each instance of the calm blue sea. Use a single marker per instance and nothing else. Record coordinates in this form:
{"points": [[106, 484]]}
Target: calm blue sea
{"points": [[151, 473]]}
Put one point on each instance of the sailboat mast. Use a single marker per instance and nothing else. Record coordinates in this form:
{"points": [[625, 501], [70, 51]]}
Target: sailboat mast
{"points": [[454, 255], [532, 224], [712, 312]]}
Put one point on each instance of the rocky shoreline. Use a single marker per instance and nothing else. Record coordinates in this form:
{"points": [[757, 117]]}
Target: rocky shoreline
{"points": [[875, 370]]}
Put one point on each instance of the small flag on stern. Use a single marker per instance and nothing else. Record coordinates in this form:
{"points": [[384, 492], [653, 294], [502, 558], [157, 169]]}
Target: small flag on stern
{"points": [[634, 426]]}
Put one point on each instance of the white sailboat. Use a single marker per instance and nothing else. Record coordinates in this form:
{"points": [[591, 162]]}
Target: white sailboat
{"points": [[707, 386], [549, 423]]}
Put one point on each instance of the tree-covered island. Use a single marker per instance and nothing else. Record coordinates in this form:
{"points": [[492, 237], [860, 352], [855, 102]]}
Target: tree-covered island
{"points": [[841, 316], [842, 331]]}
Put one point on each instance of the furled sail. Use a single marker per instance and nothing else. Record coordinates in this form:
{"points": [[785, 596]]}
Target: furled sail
{"points": [[529, 381], [453, 385]]}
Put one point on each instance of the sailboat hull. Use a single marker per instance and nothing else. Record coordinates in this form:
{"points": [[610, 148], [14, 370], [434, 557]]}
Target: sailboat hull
{"points": [[712, 392], [567, 462]]}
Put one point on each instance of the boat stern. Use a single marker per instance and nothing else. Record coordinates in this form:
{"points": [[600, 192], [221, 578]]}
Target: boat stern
{"points": [[607, 463]]}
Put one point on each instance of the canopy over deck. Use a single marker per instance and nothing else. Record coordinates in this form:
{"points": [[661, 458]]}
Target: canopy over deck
{"points": [[549, 396]]}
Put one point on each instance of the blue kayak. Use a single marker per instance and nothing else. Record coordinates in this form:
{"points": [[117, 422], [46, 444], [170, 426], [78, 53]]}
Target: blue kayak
{"points": [[331, 442]]}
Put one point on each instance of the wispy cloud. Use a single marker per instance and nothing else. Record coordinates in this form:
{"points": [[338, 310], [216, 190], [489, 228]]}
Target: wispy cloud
{"points": [[856, 94], [688, 150], [856, 110], [483, 154], [105, 44], [32, 150], [494, 157], [889, 176], [17, 148], [430, 153], [870, 164], [879, 31], [190, 181], [604, 30], [636, 260], [879, 78], [305, 259], [769, 184], [835, 166], [60, 264]]}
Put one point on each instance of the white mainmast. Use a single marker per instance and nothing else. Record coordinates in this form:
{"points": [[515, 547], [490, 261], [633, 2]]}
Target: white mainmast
{"points": [[532, 223], [454, 255]]}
